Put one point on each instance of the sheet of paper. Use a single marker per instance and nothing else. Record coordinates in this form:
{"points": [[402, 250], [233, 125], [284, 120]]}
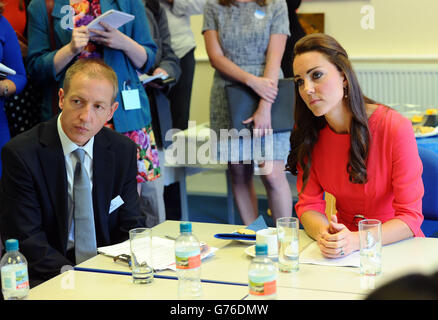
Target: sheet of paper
{"points": [[6, 70], [163, 252], [312, 255], [144, 78]]}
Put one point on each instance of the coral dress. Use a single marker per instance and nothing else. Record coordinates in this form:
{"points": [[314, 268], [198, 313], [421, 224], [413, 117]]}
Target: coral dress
{"points": [[394, 189]]}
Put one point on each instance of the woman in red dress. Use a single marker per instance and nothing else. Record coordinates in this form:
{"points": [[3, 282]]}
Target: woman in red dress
{"points": [[362, 152]]}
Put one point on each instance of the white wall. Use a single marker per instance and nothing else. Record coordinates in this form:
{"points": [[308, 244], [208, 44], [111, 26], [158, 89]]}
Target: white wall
{"points": [[405, 30]]}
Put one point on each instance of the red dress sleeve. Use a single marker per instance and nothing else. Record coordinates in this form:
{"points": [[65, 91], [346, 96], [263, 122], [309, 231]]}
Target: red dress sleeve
{"points": [[312, 198], [406, 175]]}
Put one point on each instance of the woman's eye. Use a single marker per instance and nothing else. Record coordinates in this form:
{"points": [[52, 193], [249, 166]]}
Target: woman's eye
{"points": [[299, 82], [317, 75]]}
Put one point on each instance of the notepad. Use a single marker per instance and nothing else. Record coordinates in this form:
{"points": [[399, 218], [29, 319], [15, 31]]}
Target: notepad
{"points": [[6, 70], [163, 252], [114, 18], [312, 255]]}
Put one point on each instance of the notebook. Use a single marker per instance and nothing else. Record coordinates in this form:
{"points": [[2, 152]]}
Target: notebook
{"points": [[114, 18]]}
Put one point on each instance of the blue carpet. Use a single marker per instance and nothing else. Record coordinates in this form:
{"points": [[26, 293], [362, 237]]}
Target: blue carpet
{"points": [[213, 209]]}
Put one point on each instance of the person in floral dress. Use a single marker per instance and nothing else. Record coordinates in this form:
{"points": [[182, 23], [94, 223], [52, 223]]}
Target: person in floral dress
{"points": [[126, 49]]}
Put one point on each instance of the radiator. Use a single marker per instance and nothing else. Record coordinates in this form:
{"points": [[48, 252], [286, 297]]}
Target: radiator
{"points": [[400, 84]]}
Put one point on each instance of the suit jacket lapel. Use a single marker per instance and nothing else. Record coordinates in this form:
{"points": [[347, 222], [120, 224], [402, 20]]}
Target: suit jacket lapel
{"points": [[52, 163], [103, 174]]}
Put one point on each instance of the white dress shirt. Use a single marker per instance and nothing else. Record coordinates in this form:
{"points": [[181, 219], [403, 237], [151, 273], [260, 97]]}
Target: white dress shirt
{"points": [[68, 147]]}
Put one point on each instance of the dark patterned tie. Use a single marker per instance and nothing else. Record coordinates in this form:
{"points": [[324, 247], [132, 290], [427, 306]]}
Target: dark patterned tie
{"points": [[85, 235]]}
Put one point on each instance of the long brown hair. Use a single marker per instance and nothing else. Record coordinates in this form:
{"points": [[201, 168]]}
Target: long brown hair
{"points": [[2, 7], [307, 126], [229, 3]]}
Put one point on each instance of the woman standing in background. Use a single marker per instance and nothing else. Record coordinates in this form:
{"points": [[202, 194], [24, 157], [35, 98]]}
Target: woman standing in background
{"points": [[10, 56], [296, 33], [245, 42], [126, 50]]}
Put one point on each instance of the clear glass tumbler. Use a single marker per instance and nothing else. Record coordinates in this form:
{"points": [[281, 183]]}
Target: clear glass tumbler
{"points": [[370, 237], [140, 240], [288, 244]]}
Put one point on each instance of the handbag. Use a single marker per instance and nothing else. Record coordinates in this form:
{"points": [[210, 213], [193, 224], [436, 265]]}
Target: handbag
{"points": [[243, 102]]}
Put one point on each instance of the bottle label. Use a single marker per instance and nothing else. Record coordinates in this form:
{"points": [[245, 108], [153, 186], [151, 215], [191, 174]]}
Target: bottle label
{"points": [[15, 277], [189, 260], [262, 288]]}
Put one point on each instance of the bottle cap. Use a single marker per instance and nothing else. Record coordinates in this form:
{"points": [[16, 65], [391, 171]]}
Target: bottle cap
{"points": [[185, 227], [261, 249], [11, 245]]}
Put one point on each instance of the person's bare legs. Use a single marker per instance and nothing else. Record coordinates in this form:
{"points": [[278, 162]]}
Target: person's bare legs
{"points": [[243, 190], [277, 189]]}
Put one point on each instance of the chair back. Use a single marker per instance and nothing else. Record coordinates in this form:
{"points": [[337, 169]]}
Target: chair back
{"points": [[430, 182]]}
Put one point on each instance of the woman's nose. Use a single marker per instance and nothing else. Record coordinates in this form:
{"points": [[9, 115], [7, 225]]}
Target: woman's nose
{"points": [[309, 87]]}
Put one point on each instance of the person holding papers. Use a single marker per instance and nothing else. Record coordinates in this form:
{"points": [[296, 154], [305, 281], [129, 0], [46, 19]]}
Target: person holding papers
{"points": [[346, 144], [126, 49], [69, 184], [245, 41], [166, 63], [10, 57]]}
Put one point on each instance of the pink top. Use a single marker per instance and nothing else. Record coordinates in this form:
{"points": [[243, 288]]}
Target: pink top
{"points": [[394, 188]]}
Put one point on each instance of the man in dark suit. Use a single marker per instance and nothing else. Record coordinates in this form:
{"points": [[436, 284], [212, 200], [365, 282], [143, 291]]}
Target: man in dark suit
{"points": [[37, 203]]}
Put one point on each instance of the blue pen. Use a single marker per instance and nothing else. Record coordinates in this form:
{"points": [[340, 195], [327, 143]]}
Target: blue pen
{"points": [[158, 276]]}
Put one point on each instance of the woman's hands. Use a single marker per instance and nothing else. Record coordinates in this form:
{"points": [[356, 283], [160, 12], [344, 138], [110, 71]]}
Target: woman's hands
{"points": [[117, 40], [261, 119], [266, 88], [337, 241], [79, 39], [110, 37]]}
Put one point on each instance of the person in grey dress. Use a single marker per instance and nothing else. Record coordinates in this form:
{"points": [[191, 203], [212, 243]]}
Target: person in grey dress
{"points": [[245, 41]]}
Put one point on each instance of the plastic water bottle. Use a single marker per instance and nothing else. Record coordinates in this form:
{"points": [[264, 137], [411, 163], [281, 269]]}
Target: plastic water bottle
{"points": [[14, 275], [188, 263], [262, 275]]}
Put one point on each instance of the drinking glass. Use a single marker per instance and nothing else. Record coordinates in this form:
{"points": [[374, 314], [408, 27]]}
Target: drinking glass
{"points": [[370, 237], [288, 245], [140, 240]]}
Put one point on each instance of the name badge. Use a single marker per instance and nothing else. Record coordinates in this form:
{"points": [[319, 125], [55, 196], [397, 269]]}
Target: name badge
{"points": [[115, 203], [259, 14], [131, 98]]}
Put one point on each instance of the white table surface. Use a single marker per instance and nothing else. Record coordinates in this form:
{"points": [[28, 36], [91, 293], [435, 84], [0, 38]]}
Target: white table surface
{"points": [[230, 263]]}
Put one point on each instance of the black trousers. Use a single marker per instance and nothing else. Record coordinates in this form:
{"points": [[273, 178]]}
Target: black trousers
{"points": [[180, 96], [181, 93]]}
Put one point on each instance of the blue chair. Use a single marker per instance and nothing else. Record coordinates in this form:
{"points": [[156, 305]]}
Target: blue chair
{"points": [[430, 198]]}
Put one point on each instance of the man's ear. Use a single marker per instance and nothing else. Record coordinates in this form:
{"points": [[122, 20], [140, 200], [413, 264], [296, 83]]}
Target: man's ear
{"points": [[114, 107], [61, 96]]}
